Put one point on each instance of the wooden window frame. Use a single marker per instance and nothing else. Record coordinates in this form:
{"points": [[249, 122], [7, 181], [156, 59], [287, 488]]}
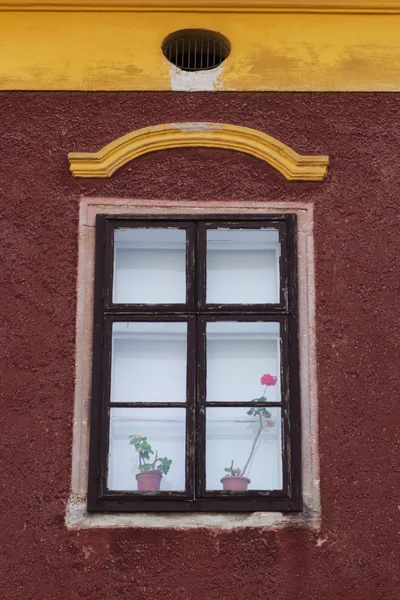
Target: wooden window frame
{"points": [[196, 313]]}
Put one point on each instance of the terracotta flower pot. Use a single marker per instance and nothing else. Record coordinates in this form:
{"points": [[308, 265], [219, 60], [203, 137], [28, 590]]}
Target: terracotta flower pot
{"points": [[148, 482], [235, 483]]}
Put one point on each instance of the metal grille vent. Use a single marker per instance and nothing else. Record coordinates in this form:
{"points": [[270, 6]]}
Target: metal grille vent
{"points": [[196, 49]]}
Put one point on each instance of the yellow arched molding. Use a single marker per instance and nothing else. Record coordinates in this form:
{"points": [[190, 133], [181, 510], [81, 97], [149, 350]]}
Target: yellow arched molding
{"points": [[210, 135]]}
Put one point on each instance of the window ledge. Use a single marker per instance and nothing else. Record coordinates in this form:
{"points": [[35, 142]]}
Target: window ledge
{"points": [[77, 517]]}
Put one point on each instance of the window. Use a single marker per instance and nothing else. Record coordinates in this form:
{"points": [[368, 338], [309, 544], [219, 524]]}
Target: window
{"points": [[195, 393]]}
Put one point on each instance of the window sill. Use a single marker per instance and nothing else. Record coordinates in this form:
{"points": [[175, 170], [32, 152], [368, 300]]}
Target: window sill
{"points": [[77, 517]]}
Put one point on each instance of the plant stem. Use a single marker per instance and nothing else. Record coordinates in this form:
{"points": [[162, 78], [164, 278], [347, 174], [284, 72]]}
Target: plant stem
{"points": [[256, 438], [153, 466], [253, 446]]}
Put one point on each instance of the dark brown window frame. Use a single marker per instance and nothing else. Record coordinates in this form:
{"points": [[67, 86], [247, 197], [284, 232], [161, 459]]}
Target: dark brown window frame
{"points": [[196, 313]]}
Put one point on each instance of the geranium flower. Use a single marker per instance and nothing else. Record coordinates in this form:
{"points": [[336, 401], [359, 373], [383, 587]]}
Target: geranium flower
{"points": [[268, 380]]}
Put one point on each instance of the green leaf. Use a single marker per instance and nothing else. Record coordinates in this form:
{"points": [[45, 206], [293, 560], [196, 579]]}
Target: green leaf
{"points": [[250, 412], [144, 468], [164, 466], [260, 399]]}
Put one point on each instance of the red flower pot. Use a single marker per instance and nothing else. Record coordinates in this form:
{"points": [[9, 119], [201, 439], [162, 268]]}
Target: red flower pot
{"points": [[235, 483], [148, 482]]}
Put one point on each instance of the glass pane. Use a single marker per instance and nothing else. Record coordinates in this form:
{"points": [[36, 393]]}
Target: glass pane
{"points": [[248, 446], [243, 266], [148, 362], [164, 431], [149, 266], [243, 361]]}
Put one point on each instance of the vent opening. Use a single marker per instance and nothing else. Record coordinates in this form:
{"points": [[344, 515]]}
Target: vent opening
{"points": [[196, 49]]}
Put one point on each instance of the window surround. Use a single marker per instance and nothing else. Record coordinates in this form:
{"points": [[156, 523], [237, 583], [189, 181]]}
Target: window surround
{"points": [[77, 515]]}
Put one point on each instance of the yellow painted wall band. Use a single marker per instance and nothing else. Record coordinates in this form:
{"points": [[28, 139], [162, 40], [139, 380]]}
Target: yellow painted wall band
{"points": [[276, 46]]}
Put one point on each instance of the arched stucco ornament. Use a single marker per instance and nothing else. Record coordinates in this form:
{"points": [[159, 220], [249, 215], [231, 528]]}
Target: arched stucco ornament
{"points": [[109, 159]]}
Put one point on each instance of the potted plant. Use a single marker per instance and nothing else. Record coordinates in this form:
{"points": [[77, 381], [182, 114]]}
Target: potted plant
{"points": [[151, 471], [236, 480]]}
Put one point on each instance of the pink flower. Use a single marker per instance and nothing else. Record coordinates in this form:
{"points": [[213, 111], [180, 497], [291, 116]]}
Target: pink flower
{"points": [[268, 380]]}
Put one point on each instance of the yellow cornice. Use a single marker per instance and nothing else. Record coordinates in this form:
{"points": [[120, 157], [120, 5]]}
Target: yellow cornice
{"points": [[209, 6], [109, 159]]}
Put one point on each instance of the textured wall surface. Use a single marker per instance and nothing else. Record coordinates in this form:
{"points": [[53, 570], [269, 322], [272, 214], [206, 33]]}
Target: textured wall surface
{"points": [[356, 553]]}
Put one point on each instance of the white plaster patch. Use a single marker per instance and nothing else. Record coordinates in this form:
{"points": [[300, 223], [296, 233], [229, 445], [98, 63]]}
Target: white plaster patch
{"points": [[195, 127], [196, 81], [321, 541]]}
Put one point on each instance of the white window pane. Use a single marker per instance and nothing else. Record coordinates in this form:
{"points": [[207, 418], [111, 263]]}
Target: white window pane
{"points": [[230, 436], [243, 266], [149, 266], [239, 355], [165, 431], [148, 362]]}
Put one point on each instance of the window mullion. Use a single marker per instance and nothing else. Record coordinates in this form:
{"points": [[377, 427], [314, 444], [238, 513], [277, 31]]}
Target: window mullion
{"points": [[191, 408], [201, 265], [191, 265], [200, 406]]}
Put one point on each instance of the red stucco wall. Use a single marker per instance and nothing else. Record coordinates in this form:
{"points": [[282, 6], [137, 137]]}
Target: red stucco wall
{"points": [[356, 554]]}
